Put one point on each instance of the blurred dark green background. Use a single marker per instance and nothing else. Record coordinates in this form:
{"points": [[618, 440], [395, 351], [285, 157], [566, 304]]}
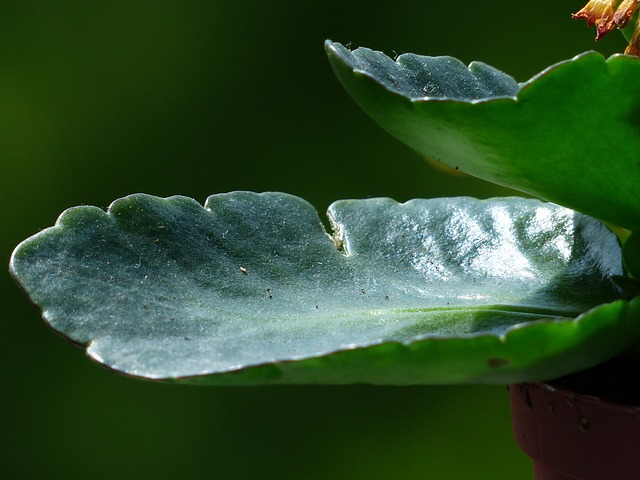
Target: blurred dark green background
{"points": [[103, 99]]}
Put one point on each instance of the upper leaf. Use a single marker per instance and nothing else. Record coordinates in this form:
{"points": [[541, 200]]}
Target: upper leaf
{"points": [[250, 289], [570, 135]]}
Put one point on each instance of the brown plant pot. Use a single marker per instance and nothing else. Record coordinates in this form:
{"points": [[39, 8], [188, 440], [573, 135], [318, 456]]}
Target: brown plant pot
{"points": [[581, 427]]}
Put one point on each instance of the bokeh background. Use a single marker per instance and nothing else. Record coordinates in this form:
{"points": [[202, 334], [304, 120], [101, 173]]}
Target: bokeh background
{"points": [[194, 97]]}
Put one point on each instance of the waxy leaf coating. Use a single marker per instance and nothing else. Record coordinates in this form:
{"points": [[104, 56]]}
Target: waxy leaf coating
{"points": [[251, 289], [570, 135]]}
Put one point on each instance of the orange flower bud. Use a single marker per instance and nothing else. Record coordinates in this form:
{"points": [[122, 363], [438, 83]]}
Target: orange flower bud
{"points": [[599, 13], [624, 12], [609, 14]]}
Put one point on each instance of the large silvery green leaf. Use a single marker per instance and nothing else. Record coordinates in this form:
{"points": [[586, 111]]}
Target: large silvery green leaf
{"points": [[251, 289], [570, 135]]}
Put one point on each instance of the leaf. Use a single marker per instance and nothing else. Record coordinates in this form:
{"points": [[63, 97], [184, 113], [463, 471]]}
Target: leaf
{"points": [[570, 135], [250, 289], [631, 255]]}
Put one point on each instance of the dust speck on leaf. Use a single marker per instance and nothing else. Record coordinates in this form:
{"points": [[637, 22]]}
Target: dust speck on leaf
{"points": [[583, 424], [498, 362]]}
